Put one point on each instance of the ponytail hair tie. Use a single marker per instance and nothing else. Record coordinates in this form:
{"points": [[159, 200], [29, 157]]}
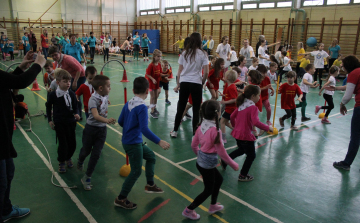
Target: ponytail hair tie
{"points": [[216, 110]]}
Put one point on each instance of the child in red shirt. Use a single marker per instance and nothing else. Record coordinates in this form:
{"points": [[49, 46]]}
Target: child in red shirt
{"points": [[229, 100], [288, 92], [153, 74], [265, 85], [214, 78], [87, 89], [166, 73]]}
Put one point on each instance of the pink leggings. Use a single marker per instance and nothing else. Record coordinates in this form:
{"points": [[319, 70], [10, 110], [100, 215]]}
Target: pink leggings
{"points": [[266, 104]]}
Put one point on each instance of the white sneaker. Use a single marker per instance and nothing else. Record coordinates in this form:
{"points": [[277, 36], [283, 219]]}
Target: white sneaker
{"points": [[173, 134]]}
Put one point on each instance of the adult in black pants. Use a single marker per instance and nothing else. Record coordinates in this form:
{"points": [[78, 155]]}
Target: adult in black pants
{"points": [[92, 45], [123, 47], [190, 81], [34, 42], [333, 51], [19, 79]]}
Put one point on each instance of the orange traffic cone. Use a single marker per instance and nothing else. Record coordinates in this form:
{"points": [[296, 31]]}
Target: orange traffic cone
{"points": [[124, 79], [35, 86]]}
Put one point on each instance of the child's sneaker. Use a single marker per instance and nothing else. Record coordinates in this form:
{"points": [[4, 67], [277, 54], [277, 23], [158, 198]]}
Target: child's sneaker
{"points": [[281, 122], [167, 102], [215, 208], [341, 165], [269, 123], [80, 165], [86, 182], [325, 121], [62, 168], [16, 213], [124, 203], [153, 189], [156, 111], [305, 119], [191, 214], [245, 178], [188, 116], [144, 59], [293, 127], [153, 115], [173, 134], [317, 109], [69, 163], [126, 61]]}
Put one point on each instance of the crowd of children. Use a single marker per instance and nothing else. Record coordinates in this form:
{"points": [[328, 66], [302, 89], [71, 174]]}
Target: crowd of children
{"points": [[246, 90]]}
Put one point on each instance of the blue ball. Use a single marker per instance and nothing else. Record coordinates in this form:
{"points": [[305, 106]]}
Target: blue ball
{"points": [[311, 41]]}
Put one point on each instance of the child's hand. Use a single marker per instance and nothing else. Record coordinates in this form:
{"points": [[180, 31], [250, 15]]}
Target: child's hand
{"points": [[164, 145], [77, 117], [111, 121], [176, 89], [272, 91], [222, 102], [52, 125], [154, 81], [299, 99], [221, 94], [317, 85], [271, 129], [319, 93], [109, 102], [315, 82]]}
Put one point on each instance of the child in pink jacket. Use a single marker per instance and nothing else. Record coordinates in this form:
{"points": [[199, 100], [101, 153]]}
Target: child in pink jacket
{"points": [[243, 119], [208, 135]]}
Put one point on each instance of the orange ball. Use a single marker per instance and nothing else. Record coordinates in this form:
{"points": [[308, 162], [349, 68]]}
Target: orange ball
{"points": [[321, 115], [125, 170]]}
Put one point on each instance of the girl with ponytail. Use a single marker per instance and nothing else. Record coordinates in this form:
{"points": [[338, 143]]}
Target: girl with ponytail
{"points": [[243, 119], [208, 135]]}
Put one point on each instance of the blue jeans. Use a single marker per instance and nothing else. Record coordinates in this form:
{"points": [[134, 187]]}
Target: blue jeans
{"points": [[7, 169], [354, 137], [79, 83], [45, 52], [344, 81]]}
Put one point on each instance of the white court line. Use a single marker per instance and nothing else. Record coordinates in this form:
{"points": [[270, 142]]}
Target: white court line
{"points": [[73, 197], [264, 137]]}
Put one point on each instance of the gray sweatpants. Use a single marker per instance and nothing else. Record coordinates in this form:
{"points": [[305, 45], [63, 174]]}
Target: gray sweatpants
{"points": [[93, 141]]}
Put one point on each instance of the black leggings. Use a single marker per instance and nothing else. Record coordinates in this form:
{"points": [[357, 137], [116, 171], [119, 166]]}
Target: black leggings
{"points": [[11, 55], [34, 46], [318, 71], [145, 52], [123, 53], [290, 113], [187, 88], [330, 104], [106, 54], [331, 61], [212, 182], [281, 72], [92, 53]]}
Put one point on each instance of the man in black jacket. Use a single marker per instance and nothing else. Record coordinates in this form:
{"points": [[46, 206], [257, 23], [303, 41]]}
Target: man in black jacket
{"points": [[19, 79]]}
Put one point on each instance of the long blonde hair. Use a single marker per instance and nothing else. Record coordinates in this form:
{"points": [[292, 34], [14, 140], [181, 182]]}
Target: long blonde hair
{"points": [[156, 53]]}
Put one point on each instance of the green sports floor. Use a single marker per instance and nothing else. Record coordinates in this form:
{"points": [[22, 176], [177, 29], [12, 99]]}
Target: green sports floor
{"points": [[294, 177]]}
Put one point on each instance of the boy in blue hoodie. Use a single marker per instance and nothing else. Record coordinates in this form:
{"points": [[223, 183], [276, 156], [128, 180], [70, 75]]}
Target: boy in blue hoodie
{"points": [[134, 121]]}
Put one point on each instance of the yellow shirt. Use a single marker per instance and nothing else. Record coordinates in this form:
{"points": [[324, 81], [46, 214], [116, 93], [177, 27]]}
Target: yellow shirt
{"points": [[325, 61], [304, 62], [208, 44], [181, 43], [301, 51], [337, 62]]}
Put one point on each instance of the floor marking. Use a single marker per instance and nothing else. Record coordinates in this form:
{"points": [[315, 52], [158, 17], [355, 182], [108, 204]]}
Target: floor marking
{"points": [[323, 136], [58, 178], [195, 181], [297, 111], [153, 210]]}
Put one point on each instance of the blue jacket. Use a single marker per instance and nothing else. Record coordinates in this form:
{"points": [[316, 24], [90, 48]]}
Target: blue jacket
{"points": [[85, 39], [9, 49], [92, 41], [74, 51], [63, 43], [135, 124]]}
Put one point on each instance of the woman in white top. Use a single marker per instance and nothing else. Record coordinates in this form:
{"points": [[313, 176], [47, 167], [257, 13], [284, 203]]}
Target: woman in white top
{"points": [[223, 50], [210, 45], [328, 95], [106, 45], [190, 80]]}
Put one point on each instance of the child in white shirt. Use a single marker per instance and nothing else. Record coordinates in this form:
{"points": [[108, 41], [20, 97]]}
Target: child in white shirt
{"points": [[286, 64], [255, 63], [233, 57], [223, 51]]}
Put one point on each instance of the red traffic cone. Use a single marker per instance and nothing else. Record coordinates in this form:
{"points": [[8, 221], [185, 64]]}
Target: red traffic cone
{"points": [[124, 79], [101, 73], [35, 86]]}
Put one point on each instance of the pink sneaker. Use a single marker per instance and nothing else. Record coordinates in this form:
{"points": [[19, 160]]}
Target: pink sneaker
{"points": [[147, 59], [325, 121], [144, 59], [190, 214], [317, 109], [215, 208], [268, 123]]}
